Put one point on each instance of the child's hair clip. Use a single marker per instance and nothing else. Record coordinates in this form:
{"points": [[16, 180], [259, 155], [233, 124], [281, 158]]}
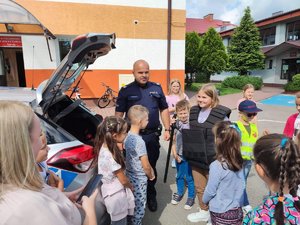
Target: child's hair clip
{"points": [[280, 198], [235, 126], [296, 198], [283, 143]]}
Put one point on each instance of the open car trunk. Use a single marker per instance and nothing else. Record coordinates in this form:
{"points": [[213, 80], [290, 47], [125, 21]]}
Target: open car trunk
{"points": [[72, 115], [78, 121]]}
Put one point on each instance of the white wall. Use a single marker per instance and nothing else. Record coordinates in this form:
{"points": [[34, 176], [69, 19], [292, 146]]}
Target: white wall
{"points": [[127, 51], [36, 54], [280, 33], [154, 51]]}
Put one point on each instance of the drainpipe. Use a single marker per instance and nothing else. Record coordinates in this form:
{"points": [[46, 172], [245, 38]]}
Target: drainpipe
{"points": [[169, 40]]}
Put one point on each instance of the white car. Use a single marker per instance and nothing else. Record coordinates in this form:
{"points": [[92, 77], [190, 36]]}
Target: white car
{"points": [[70, 126]]}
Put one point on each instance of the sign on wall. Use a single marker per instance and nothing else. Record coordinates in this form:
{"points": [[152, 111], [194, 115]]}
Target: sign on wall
{"points": [[10, 42], [125, 79]]}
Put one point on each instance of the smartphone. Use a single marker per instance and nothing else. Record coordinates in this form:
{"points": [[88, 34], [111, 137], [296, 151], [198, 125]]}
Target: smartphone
{"points": [[90, 187]]}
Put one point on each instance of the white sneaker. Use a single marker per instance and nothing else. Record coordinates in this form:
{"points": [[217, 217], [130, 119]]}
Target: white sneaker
{"points": [[247, 209], [202, 215], [209, 222]]}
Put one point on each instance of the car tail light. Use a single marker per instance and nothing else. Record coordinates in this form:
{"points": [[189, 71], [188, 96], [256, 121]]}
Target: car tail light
{"points": [[76, 159]]}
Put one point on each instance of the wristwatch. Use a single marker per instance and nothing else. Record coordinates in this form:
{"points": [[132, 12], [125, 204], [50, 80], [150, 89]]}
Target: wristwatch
{"points": [[167, 129]]}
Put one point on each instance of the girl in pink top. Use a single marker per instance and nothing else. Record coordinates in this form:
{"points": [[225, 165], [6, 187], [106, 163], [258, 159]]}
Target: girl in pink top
{"points": [[116, 188], [175, 94]]}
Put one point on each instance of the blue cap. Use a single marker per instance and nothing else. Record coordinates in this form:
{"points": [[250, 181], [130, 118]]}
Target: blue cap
{"points": [[248, 106]]}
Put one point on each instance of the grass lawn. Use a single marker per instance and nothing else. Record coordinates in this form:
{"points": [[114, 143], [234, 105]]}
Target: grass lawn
{"points": [[224, 91]]}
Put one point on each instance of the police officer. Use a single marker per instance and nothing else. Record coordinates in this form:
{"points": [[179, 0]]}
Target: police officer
{"points": [[149, 94]]}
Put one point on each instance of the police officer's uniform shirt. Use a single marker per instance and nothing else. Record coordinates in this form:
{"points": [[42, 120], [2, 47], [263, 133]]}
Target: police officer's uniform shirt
{"points": [[150, 96]]}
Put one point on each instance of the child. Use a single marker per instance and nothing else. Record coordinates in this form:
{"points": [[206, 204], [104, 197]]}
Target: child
{"points": [[225, 188], [116, 188], [248, 92], [48, 176], [184, 170], [198, 142], [138, 167], [277, 164], [249, 134], [175, 94], [292, 126]]}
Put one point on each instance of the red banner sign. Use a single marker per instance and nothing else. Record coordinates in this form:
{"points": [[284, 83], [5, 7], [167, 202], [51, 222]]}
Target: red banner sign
{"points": [[10, 41]]}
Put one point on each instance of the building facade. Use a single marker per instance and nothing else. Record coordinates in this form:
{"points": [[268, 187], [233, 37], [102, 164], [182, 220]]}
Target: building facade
{"points": [[280, 35], [151, 30]]}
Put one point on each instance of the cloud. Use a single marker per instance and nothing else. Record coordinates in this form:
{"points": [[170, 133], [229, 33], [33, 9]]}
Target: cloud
{"points": [[233, 10]]}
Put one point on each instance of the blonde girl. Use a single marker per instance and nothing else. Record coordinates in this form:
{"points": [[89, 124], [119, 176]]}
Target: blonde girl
{"points": [[24, 196], [175, 94], [248, 94], [198, 142]]}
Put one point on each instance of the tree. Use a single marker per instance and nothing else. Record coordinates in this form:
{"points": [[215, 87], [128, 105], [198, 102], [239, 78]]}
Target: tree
{"points": [[244, 49], [192, 45], [214, 57]]}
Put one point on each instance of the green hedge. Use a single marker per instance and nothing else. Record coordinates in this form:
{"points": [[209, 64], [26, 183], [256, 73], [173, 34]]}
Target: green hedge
{"points": [[239, 82], [293, 85]]}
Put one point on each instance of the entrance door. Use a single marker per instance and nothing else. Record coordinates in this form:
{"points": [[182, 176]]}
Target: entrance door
{"points": [[21, 70], [14, 67], [290, 67]]}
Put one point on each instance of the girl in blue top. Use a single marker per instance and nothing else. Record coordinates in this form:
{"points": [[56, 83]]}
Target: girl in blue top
{"points": [[225, 188]]}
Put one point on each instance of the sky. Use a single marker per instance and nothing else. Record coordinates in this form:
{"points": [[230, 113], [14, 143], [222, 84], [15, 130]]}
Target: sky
{"points": [[233, 10]]}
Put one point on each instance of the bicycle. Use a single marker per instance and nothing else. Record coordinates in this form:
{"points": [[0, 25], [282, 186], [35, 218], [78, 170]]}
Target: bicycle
{"points": [[107, 97]]}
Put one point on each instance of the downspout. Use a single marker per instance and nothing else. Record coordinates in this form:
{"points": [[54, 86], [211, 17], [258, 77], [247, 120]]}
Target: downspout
{"points": [[169, 41]]}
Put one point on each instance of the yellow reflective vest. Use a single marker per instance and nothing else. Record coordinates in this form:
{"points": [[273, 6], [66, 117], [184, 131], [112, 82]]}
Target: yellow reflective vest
{"points": [[248, 141]]}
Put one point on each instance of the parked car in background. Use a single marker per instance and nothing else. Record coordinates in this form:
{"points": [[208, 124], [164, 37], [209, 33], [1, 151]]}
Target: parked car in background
{"points": [[70, 126]]}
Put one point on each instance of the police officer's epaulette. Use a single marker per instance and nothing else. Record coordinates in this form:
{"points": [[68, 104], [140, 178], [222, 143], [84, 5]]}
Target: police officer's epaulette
{"points": [[157, 84], [128, 85]]}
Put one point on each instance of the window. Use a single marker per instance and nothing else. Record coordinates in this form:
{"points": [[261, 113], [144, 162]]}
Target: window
{"points": [[270, 64], [64, 47], [293, 31], [268, 36]]}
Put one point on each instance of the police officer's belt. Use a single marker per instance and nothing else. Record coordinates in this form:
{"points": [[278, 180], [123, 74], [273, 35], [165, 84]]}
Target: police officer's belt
{"points": [[151, 130]]}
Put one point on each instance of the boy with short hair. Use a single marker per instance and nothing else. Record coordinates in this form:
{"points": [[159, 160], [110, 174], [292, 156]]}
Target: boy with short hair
{"points": [[138, 167], [184, 171], [249, 134]]}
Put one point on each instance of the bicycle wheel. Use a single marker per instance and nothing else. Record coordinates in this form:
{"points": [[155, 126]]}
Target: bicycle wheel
{"points": [[103, 102]]}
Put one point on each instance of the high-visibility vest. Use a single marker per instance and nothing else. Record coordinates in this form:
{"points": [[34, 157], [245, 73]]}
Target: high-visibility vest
{"points": [[248, 141]]}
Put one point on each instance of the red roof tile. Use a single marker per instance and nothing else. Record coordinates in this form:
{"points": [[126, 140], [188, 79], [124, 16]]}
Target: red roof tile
{"points": [[202, 25]]}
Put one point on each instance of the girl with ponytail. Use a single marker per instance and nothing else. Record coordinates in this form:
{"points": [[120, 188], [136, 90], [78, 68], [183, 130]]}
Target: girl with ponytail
{"points": [[116, 188], [277, 162]]}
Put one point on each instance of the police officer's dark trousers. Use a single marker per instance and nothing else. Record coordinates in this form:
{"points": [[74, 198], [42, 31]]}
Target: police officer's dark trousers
{"points": [[152, 145]]}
